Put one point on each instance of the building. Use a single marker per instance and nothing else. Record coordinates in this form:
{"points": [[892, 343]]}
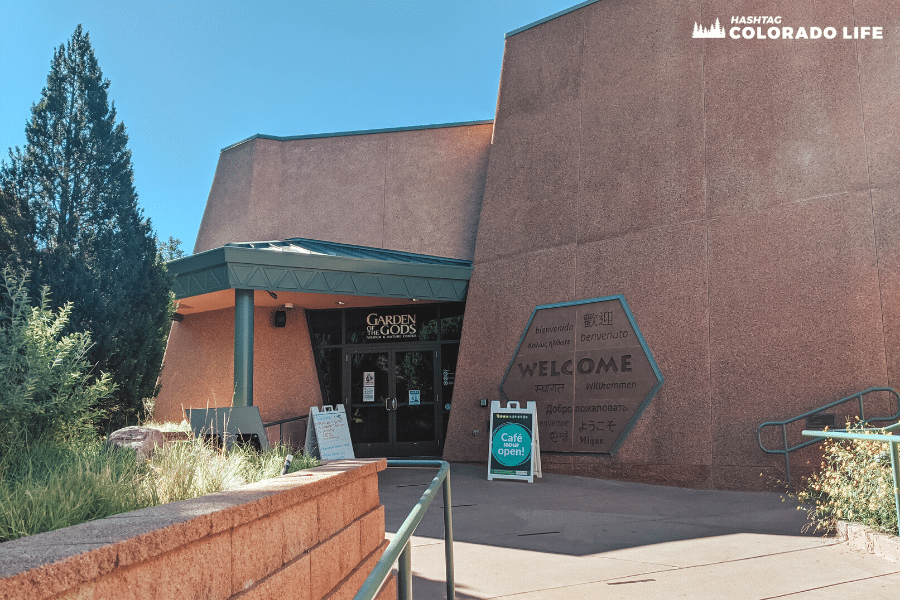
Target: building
{"points": [[739, 192]]}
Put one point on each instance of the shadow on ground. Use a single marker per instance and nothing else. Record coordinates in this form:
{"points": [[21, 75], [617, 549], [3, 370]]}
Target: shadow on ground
{"points": [[566, 537], [580, 516]]}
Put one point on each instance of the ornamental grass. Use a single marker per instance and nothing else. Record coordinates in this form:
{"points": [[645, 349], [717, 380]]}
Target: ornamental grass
{"points": [[48, 485], [855, 483]]}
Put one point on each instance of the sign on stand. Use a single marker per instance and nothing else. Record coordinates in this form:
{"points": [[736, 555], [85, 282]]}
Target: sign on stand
{"points": [[327, 433], [514, 447]]}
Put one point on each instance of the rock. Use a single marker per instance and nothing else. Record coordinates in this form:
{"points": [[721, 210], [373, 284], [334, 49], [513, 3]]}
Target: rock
{"points": [[176, 436], [143, 440]]}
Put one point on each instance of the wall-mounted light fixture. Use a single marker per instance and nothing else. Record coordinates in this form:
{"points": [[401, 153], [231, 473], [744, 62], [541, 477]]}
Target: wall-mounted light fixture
{"points": [[273, 294], [177, 317]]}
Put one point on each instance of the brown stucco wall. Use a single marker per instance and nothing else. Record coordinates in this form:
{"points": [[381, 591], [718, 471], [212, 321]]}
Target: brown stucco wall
{"points": [[314, 534], [741, 194], [198, 370], [416, 190]]}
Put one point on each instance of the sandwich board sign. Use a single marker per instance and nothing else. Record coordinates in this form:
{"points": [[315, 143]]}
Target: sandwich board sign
{"points": [[327, 433], [515, 452]]}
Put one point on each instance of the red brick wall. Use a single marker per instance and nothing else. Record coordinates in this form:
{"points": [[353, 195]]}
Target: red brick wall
{"points": [[310, 535]]}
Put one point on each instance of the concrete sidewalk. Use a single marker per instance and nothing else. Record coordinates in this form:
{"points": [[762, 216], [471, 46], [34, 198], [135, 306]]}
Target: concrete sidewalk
{"points": [[572, 537]]}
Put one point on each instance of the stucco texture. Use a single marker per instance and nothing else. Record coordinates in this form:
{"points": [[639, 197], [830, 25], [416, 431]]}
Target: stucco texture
{"points": [[416, 190], [198, 370], [741, 194]]}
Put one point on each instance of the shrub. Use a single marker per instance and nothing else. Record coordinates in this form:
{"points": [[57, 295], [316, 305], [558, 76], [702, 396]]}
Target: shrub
{"points": [[47, 389], [855, 484]]}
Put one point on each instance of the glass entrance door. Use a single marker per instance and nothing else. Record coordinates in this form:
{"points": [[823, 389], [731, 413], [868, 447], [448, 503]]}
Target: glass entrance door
{"points": [[394, 403]]}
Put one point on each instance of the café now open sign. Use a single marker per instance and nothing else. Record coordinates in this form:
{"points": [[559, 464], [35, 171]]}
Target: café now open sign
{"points": [[587, 367]]}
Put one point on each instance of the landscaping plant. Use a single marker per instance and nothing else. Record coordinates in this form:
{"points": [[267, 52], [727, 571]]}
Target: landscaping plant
{"points": [[855, 484], [54, 470], [195, 467], [72, 217], [48, 389], [47, 486]]}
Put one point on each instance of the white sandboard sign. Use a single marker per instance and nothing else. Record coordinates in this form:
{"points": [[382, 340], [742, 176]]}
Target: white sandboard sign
{"points": [[327, 433], [515, 451]]}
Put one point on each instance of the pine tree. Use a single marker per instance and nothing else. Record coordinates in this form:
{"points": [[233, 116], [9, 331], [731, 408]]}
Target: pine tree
{"points": [[94, 247], [16, 231]]}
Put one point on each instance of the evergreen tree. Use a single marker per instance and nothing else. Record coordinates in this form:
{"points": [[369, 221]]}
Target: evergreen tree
{"points": [[94, 248], [16, 235], [169, 249]]}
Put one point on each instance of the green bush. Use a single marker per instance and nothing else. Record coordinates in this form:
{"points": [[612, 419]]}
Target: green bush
{"points": [[855, 484], [47, 389]]}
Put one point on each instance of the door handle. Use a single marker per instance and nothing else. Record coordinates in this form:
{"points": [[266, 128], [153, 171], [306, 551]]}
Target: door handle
{"points": [[387, 404], [395, 404]]}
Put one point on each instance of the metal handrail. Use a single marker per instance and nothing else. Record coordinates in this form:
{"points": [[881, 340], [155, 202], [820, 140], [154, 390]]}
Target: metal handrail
{"points": [[281, 425], [783, 424], [400, 546], [893, 440]]}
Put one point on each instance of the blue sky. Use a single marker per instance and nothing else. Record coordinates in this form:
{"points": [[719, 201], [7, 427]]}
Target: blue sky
{"points": [[192, 77]]}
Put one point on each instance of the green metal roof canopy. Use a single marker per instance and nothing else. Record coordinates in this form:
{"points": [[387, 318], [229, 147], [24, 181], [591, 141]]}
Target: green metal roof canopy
{"points": [[316, 267]]}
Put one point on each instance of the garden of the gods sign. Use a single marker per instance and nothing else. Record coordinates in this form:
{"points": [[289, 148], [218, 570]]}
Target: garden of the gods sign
{"points": [[589, 370]]}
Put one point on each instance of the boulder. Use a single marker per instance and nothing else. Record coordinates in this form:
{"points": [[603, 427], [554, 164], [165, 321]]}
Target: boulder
{"points": [[143, 440]]}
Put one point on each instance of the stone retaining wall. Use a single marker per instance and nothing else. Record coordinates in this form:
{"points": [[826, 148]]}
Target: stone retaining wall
{"points": [[311, 535], [869, 540]]}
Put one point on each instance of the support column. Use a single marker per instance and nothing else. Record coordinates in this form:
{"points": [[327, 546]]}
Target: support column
{"points": [[243, 348]]}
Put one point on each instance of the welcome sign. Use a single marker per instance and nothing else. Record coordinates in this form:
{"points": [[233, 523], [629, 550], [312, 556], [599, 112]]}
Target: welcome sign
{"points": [[589, 372]]}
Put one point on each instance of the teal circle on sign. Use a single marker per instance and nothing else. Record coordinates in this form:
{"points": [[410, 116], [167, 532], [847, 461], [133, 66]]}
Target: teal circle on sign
{"points": [[511, 444]]}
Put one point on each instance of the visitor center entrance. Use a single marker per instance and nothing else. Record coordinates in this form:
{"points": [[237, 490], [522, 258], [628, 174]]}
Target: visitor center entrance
{"points": [[393, 368]]}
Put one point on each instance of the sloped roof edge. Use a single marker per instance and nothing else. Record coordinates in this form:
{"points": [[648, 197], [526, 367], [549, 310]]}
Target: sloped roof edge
{"points": [[550, 18], [263, 136]]}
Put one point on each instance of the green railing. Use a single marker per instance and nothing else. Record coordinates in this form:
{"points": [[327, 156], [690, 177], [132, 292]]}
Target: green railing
{"points": [[893, 440], [400, 547], [861, 414], [298, 445]]}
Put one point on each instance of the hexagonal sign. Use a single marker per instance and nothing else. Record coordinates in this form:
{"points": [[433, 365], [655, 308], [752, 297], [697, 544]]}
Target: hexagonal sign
{"points": [[589, 370]]}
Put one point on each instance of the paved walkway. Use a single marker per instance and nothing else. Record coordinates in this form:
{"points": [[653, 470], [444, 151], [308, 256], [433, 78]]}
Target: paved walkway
{"points": [[570, 537]]}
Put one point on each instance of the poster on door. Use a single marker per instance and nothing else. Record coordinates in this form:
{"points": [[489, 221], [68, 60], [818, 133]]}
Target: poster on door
{"points": [[369, 386], [415, 396]]}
